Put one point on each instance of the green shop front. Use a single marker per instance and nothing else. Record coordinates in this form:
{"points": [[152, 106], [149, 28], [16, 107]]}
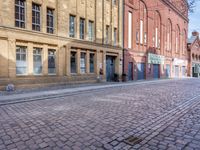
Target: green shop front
{"points": [[154, 64], [196, 70]]}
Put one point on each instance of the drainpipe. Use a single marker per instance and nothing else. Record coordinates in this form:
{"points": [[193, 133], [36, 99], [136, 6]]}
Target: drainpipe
{"points": [[123, 64]]}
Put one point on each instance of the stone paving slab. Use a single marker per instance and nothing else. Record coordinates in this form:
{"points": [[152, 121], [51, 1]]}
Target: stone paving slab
{"points": [[165, 115]]}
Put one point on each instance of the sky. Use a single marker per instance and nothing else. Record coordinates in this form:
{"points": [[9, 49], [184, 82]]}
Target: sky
{"points": [[194, 19]]}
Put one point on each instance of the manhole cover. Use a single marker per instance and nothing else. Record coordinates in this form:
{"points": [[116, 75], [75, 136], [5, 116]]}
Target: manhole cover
{"points": [[132, 140]]}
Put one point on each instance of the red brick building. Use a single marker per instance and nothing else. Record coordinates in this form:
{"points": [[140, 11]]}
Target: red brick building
{"points": [[155, 38], [194, 55]]}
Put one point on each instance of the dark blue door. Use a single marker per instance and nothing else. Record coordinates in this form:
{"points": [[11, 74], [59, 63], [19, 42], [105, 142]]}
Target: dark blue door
{"points": [[110, 68], [156, 71], [168, 70], [141, 71], [130, 71]]}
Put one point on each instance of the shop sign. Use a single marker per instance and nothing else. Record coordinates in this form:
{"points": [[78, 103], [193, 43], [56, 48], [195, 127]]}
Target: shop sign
{"points": [[179, 62], [155, 59]]}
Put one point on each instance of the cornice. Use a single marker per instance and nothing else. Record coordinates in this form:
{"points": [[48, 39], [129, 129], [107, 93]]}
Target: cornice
{"points": [[175, 9]]}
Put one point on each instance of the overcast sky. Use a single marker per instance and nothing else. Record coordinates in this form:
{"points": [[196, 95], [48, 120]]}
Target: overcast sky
{"points": [[195, 19]]}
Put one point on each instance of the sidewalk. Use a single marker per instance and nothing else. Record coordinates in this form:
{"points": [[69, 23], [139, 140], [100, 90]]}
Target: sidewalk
{"points": [[53, 93]]}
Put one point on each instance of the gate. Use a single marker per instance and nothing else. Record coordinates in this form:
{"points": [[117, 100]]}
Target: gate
{"points": [[110, 68], [140, 71], [156, 71], [130, 71], [168, 70], [176, 68], [183, 71]]}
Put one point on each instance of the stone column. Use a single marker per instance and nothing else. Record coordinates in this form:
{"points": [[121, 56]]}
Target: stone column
{"points": [[30, 58], [88, 62], [104, 64], [45, 60], [97, 62], [11, 58], [29, 14], [68, 61], [78, 56]]}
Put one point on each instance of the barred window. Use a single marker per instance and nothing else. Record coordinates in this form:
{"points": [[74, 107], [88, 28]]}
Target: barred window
{"points": [[37, 61], [21, 60], [82, 28], [52, 61], [20, 13], [36, 17], [72, 26], [50, 20]]}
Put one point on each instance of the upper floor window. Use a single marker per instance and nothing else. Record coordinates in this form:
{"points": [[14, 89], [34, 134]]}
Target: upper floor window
{"points": [[130, 19], [50, 20], [157, 30], [91, 31], [115, 36], [82, 28], [20, 13], [169, 35], [143, 23], [36, 17], [72, 26], [184, 48], [114, 2], [107, 34], [177, 44]]}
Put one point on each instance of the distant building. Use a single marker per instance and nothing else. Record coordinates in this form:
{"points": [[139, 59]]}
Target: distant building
{"points": [[194, 55], [155, 39], [60, 41]]}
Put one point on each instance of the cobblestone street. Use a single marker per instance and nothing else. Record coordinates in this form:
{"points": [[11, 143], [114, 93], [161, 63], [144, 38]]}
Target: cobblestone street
{"points": [[161, 115]]}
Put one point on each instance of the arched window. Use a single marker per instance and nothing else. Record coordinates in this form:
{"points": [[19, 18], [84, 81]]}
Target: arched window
{"points": [[184, 48], [157, 29], [143, 23], [177, 38], [169, 35]]}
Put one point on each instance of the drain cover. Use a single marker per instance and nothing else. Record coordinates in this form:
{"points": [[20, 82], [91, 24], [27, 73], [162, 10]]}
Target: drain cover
{"points": [[132, 140]]}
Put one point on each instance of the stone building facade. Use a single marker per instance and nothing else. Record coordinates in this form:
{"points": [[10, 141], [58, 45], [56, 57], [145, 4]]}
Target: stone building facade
{"points": [[59, 41], [194, 55], [155, 39]]}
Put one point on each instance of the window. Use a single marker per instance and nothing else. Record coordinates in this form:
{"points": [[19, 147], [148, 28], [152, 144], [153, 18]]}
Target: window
{"points": [[115, 36], [177, 44], [107, 34], [50, 20], [90, 30], [114, 2], [82, 28], [21, 60], [184, 49], [129, 30], [37, 61], [36, 17], [20, 13], [143, 23], [169, 35], [157, 30], [52, 61], [83, 63], [91, 63], [73, 62], [72, 26]]}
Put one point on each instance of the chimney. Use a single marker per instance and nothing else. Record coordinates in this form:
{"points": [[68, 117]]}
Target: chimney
{"points": [[195, 33]]}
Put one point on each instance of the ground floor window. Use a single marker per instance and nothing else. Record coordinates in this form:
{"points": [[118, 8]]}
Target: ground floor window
{"points": [[21, 60], [52, 61], [83, 62], [91, 63], [37, 61], [73, 62]]}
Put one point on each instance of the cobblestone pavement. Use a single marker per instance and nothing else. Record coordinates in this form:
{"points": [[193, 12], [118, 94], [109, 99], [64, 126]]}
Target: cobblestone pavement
{"points": [[164, 115]]}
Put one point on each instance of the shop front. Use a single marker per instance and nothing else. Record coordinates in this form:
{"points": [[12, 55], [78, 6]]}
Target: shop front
{"points": [[180, 66], [154, 64], [195, 70]]}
